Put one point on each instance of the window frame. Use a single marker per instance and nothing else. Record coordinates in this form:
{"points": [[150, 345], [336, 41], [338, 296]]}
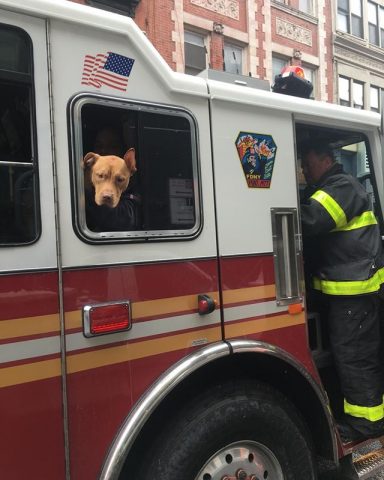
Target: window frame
{"points": [[190, 69], [378, 90], [77, 178], [357, 83], [28, 80], [375, 26], [309, 10], [350, 15], [379, 26], [280, 58], [229, 44], [314, 74]]}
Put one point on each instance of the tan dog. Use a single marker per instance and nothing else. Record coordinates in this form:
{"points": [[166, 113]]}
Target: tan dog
{"points": [[109, 175]]}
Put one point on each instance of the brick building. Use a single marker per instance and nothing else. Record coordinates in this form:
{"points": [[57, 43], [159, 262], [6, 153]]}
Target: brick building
{"points": [[251, 37]]}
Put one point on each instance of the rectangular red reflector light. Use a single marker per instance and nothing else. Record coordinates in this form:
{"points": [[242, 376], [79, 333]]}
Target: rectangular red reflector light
{"points": [[106, 318]]}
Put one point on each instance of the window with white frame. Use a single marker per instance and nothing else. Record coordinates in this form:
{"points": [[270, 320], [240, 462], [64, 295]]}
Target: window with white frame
{"points": [[233, 58], [381, 25], [374, 98], [310, 74], [278, 63], [376, 24], [373, 24], [306, 6], [358, 95], [195, 52], [351, 93], [349, 17], [344, 91]]}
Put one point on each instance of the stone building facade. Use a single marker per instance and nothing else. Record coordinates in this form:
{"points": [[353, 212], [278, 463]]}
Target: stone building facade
{"points": [[358, 53]]}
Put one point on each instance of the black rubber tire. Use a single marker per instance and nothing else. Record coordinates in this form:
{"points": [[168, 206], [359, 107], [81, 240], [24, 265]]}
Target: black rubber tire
{"points": [[224, 414]]}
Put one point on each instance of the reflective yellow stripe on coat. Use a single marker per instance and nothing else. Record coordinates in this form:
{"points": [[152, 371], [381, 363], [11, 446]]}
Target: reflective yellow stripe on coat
{"points": [[373, 414], [363, 220], [353, 287], [332, 207]]}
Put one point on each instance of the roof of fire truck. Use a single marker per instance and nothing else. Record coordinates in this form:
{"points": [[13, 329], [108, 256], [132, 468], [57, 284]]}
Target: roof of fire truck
{"points": [[304, 109]]}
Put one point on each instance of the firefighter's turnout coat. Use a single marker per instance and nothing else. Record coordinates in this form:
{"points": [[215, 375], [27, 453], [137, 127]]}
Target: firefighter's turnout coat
{"points": [[338, 217]]}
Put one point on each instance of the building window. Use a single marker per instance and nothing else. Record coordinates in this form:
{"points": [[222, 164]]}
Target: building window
{"points": [[358, 95], [376, 24], [19, 206], [373, 26], [374, 98], [155, 188], [381, 21], [278, 63], [233, 59], [305, 6], [349, 17], [195, 52], [344, 91], [310, 74], [351, 93]]}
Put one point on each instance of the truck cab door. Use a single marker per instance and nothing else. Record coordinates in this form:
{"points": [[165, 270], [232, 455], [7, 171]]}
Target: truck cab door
{"points": [[32, 439]]}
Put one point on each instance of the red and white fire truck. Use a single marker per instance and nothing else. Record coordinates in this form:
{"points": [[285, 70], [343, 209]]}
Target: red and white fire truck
{"points": [[181, 348]]}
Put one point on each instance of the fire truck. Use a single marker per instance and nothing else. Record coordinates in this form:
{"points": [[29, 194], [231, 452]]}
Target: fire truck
{"points": [[180, 348]]}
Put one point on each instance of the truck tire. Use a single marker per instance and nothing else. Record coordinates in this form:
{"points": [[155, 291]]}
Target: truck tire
{"points": [[243, 430]]}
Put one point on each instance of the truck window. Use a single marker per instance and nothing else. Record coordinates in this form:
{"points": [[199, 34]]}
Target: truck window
{"points": [[19, 210], [158, 146]]}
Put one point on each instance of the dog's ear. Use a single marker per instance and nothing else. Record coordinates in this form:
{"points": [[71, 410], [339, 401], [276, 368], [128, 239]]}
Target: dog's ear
{"points": [[89, 160], [130, 160]]}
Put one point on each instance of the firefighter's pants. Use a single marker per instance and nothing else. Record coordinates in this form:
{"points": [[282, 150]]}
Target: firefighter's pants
{"points": [[354, 329]]}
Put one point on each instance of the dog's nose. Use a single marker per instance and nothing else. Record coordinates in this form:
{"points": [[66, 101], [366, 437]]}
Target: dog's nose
{"points": [[107, 198]]}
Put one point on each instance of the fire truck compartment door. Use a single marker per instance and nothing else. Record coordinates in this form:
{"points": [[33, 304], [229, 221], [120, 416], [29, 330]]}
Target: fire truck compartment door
{"points": [[255, 172]]}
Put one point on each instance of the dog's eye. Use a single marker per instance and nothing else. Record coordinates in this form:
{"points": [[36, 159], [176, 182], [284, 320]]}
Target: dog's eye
{"points": [[100, 175], [120, 179]]}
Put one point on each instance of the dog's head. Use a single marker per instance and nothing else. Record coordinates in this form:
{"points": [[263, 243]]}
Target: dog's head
{"points": [[109, 175]]}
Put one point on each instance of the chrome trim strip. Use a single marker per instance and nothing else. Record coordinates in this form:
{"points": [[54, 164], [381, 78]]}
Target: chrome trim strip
{"points": [[150, 400], [243, 346], [63, 353], [4, 163]]}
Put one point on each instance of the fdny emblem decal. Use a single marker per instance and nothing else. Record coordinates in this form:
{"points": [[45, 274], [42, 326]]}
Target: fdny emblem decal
{"points": [[257, 156]]}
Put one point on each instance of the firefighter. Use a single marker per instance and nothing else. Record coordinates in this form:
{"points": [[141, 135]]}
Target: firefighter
{"points": [[346, 266]]}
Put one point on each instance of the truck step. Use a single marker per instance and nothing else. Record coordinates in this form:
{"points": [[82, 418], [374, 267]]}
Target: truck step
{"points": [[368, 458]]}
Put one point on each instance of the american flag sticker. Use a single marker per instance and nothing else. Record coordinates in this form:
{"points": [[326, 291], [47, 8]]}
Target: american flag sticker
{"points": [[110, 69]]}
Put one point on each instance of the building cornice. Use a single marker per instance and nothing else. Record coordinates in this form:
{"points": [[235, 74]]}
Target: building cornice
{"points": [[358, 52]]}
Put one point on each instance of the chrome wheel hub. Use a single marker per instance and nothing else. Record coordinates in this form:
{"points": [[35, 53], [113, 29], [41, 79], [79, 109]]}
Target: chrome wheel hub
{"points": [[243, 460]]}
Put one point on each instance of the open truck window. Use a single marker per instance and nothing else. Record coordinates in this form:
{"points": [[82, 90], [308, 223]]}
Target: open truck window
{"points": [[159, 147], [19, 209], [350, 149]]}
